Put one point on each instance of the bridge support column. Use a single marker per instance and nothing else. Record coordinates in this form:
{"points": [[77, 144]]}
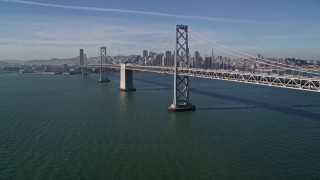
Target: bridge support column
{"points": [[126, 79], [181, 83]]}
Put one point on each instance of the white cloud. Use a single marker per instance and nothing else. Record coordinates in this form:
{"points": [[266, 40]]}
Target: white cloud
{"points": [[252, 48], [291, 36], [48, 36], [206, 18], [56, 37]]}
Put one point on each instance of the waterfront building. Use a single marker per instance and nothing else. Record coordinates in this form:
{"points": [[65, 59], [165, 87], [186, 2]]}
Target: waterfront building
{"points": [[167, 58], [197, 60], [145, 54], [207, 63], [81, 57]]}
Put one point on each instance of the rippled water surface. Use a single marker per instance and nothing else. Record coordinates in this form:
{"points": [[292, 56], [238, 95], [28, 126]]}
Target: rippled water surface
{"points": [[60, 127]]}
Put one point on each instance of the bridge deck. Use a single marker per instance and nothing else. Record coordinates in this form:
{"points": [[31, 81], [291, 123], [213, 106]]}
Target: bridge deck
{"points": [[284, 81]]}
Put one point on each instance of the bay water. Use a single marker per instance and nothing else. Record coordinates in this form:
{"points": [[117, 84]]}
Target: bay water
{"points": [[72, 127]]}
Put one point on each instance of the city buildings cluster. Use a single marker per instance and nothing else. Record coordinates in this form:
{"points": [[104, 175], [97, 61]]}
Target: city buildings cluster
{"points": [[196, 60], [166, 58]]}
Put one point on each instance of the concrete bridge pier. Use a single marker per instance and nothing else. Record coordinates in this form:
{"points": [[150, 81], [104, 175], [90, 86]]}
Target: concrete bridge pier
{"points": [[126, 79]]}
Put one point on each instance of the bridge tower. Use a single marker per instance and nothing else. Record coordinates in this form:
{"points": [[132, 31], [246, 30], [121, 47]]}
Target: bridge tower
{"points": [[181, 96], [103, 57]]}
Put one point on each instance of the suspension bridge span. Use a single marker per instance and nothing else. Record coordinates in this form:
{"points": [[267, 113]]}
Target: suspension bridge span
{"points": [[302, 78]]}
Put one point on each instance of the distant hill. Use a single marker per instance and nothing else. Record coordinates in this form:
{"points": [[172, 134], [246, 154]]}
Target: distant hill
{"points": [[10, 62], [54, 61], [3, 63], [69, 61]]}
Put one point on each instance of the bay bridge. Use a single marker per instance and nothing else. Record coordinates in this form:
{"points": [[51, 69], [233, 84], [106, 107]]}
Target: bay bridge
{"points": [[293, 77]]}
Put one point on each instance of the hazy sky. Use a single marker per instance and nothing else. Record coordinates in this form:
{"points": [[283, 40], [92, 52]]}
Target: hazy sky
{"points": [[43, 29]]}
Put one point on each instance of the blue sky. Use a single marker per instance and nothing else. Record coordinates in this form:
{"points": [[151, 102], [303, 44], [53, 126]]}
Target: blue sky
{"points": [[59, 28]]}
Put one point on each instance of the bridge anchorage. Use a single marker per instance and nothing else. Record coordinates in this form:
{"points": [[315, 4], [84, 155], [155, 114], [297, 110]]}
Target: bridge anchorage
{"points": [[181, 95], [103, 57]]}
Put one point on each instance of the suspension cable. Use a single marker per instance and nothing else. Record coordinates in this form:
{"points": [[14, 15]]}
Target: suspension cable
{"points": [[277, 64], [245, 58], [164, 44]]}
